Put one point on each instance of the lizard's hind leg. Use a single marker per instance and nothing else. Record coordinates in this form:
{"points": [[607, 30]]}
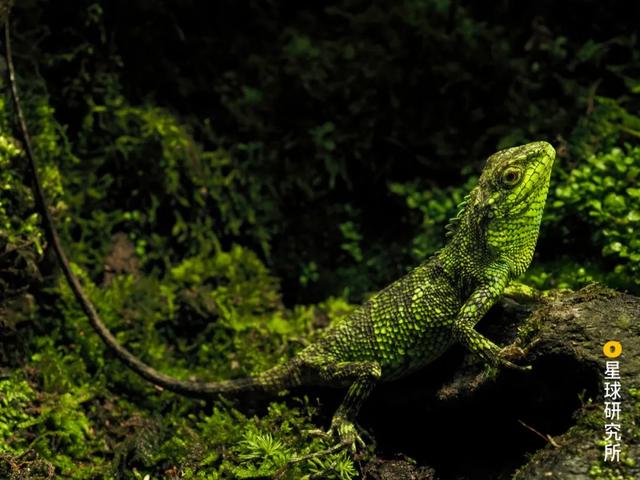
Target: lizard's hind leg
{"points": [[361, 378]]}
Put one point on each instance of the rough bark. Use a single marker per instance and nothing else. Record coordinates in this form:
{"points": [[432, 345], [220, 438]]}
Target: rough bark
{"points": [[575, 327], [544, 424]]}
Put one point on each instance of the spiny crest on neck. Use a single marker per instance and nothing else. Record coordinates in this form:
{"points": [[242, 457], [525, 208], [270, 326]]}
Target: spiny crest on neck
{"points": [[464, 207]]}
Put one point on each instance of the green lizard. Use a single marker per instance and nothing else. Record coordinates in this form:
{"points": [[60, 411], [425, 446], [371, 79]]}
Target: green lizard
{"points": [[410, 322]]}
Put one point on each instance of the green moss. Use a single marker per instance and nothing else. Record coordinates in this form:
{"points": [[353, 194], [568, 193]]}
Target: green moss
{"points": [[599, 192], [21, 237], [225, 202], [16, 396]]}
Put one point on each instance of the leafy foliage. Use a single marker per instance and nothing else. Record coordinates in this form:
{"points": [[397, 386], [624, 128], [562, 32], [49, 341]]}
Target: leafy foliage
{"points": [[591, 214], [226, 198], [21, 238], [599, 193], [15, 397]]}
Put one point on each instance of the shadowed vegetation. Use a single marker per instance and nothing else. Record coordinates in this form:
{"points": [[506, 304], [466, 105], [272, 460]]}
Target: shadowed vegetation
{"points": [[230, 177]]}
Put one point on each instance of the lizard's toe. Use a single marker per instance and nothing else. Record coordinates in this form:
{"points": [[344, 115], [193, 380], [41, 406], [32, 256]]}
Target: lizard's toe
{"points": [[513, 352], [347, 433], [318, 433]]}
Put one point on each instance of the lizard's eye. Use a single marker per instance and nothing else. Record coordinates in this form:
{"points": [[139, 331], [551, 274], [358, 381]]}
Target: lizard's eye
{"points": [[511, 176]]}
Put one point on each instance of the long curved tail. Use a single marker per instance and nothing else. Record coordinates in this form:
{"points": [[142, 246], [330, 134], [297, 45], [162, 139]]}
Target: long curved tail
{"points": [[272, 380]]}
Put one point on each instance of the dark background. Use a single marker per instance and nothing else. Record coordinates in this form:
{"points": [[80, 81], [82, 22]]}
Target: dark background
{"points": [[323, 105]]}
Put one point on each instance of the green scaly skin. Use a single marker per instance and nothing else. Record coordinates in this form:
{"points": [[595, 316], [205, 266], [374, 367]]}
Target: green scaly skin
{"points": [[418, 317]]}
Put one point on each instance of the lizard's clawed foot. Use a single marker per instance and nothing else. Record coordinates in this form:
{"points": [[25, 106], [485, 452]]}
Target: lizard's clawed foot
{"points": [[342, 429], [515, 352], [346, 432]]}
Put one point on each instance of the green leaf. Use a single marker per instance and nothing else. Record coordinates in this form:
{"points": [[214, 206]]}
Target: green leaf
{"points": [[633, 192]]}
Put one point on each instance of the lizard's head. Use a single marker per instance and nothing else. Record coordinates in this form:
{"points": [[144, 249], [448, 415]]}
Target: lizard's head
{"points": [[515, 181], [504, 210]]}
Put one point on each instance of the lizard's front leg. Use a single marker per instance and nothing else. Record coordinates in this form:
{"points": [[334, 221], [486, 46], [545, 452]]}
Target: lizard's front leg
{"points": [[474, 309]]}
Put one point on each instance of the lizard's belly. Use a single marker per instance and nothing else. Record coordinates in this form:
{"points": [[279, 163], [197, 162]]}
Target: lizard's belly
{"points": [[407, 356], [416, 331], [403, 328]]}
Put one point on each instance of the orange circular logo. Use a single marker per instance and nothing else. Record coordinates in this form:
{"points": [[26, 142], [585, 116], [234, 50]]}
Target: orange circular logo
{"points": [[612, 349]]}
